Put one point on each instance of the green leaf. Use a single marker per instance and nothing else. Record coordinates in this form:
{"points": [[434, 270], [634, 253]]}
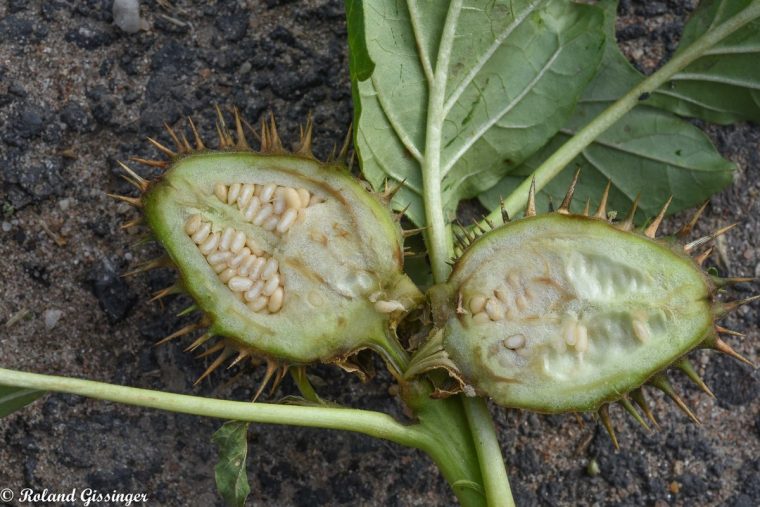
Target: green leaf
{"points": [[468, 89], [723, 86], [16, 398], [648, 152], [230, 471]]}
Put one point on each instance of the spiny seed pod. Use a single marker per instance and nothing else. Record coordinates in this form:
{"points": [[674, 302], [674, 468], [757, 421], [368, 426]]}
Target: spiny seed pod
{"points": [[562, 312], [288, 258]]}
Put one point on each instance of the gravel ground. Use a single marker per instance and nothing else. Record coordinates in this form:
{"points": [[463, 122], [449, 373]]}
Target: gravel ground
{"points": [[77, 94]]}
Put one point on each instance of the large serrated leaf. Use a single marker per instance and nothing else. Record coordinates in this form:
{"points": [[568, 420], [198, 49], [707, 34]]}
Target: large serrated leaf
{"points": [[723, 86], [648, 152], [230, 470], [16, 398], [471, 88]]}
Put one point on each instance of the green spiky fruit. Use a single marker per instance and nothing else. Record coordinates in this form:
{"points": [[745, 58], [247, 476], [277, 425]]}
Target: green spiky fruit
{"points": [[561, 312], [289, 258]]}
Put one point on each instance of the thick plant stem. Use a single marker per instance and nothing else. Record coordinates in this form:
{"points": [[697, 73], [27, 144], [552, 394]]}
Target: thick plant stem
{"points": [[435, 438], [495, 480], [553, 165]]}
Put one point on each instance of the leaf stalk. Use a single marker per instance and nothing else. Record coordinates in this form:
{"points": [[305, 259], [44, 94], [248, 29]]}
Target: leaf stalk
{"points": [[553, 165]]}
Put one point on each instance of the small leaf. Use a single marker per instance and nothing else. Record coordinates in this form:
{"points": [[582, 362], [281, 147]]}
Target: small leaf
{"points": [[723, 86], [230, 471], [649, 151], [16, 398], [463, 90]]}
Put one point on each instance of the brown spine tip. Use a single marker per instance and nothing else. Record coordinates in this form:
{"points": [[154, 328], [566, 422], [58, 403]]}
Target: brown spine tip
{"points": [[628, 406], [163, 149], [586, 207], [661, 382], [627, 223], [272, 368], [180, 332], [688, 226], [343, 154], [723, 330], [242, 354], [690, 247], [199, 341], [198, 140], [688, 369], [601, 211], [304, 144], [275, 143], [638, 397], [651, 230], [390, 192], [564, 208], [132, 177], [133, 223], [398, 216], [724, 347], [722, 309], [132, 201], [221, 358], [604, 415], [160, 262], [161, 164], [726, 282], [172, 289], [173, 135], [242, 142], [530, 210], [701, 258]]}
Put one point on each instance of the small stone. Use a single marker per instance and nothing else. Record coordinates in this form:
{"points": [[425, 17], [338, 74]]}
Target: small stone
{"points": [[51, 317], [126, 15], [7, 226], [245, 68], [64, 204]]}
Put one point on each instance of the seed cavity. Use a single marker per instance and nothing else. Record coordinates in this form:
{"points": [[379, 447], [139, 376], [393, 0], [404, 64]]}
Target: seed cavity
{"points": [[273, 207], [253, 276]]}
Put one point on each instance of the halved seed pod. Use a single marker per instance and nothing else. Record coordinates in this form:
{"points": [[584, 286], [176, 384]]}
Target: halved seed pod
{"points": [[561, 312], [289, 258]]}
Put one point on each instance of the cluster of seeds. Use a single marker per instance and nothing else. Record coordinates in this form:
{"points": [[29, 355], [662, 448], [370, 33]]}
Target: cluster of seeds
{"points": [[252, 275], [501, 306], [271, 207]]}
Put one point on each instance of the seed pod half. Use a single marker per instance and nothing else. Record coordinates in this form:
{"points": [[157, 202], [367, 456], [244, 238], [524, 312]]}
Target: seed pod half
{"points": [[561, 312], [289, 258]]}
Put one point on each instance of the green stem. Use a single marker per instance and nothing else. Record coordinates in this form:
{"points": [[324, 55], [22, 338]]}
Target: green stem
{"points": [[439, 244], [495, 482], [370, 423], [438, 438], [553, 165]]}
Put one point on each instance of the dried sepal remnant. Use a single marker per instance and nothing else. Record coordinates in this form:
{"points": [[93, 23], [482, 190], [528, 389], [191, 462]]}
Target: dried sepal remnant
{"points": [[251, 275], [563, 312], [288, 258]]}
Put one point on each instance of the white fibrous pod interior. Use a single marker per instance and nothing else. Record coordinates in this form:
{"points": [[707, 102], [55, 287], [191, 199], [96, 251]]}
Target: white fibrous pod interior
{"points": [[239, 261]]}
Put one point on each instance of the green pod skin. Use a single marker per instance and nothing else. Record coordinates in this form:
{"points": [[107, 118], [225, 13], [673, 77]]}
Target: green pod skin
{"points": [[559, 313], [338, 262]]}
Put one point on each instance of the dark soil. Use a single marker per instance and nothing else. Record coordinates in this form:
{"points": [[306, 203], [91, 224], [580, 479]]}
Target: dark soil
{"points": [[77, 94]]}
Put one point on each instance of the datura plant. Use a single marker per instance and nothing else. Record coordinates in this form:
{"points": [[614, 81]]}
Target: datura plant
{"points": [[292, 261]]}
